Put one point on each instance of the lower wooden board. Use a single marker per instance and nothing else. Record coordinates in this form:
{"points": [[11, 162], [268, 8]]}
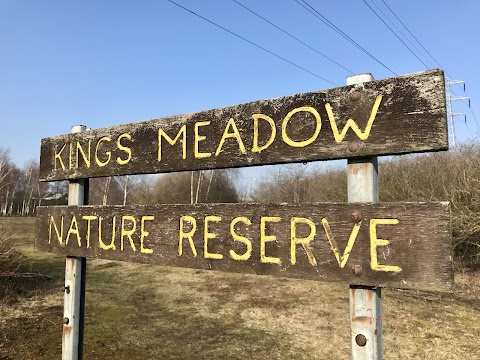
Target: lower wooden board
{"points": [[399, 245]]}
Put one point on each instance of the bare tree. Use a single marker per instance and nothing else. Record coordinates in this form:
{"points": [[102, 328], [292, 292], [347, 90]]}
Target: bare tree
{"points": [[126, 184], [174, 188], [6, 168], [142, 189]]}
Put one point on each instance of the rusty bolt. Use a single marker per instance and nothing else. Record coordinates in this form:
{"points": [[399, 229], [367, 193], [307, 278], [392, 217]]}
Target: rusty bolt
{"points": [[66, 320], [357, 270], [353, 146], [355, 96], [357, 216], [361, 340], [67, 289]]}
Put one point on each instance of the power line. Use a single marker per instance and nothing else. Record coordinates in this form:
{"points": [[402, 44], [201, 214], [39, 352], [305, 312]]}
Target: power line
{"points": [[470, 107], [394, 33], [401, 32], [252, 43], [450, 111], [293, 37], [416, 39], [472, 111], [327, 22]]}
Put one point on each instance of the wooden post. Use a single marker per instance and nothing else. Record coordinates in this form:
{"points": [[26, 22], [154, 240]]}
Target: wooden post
{"points": [[365, 302], [74, 299]]}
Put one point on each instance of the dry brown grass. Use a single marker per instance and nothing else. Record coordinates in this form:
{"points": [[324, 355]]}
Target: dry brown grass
{"points": [[11, 262], [149, 312]]}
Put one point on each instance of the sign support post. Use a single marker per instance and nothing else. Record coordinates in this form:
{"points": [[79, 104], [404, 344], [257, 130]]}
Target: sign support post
{"points": [[75, 272], [365, 302]]}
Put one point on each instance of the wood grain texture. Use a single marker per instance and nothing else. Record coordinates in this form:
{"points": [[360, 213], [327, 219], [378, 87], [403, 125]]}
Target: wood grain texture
{"points": [[420, 244], [411, 117]]}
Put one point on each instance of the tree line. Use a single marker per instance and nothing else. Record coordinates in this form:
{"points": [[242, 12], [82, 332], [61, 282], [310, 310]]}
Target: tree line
{"points": [[21, 192]]}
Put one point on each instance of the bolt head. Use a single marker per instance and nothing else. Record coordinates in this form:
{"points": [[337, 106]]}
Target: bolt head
{"points": [[357, 216], [66, 320], [353, 146], [355, 96], [361, 340], [357, 270]]}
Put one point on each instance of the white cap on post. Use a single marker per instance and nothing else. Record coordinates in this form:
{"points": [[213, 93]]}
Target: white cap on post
{"points": [[360, 78], [78, 128]]}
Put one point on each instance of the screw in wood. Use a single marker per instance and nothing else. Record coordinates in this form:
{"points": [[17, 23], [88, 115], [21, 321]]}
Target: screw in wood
{"points": [[66, 320], [357, 270], [361, 340], [353, 146], [67, 289], [357, 216], [355, 96]]}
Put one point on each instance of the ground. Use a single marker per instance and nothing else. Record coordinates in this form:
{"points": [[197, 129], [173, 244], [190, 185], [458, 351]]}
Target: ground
{"points": [[150, 312]]}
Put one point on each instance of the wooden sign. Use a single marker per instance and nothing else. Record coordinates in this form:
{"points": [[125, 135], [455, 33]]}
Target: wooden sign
{"points": [[401, 245], [399, 115]]}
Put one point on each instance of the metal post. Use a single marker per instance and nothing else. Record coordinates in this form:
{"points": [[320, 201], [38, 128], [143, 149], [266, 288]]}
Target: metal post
{"points": [[365, 302], [74, 299]]}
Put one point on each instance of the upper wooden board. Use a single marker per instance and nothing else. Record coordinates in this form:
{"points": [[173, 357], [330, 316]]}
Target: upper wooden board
{"points": [[399, 115], [404, 245]]}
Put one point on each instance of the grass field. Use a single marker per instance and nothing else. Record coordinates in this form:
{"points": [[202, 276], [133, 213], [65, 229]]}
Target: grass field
{"points": [[150, 312]]}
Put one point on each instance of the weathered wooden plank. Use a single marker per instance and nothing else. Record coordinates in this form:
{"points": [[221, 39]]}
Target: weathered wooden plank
{"points": [[415, 251], [392, 116]]}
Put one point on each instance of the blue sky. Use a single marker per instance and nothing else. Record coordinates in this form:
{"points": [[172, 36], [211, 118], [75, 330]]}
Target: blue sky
{"points": [[103, 63]]}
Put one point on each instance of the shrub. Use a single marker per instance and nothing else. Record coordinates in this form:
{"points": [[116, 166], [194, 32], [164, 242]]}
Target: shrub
{"points": [[452, 176]]}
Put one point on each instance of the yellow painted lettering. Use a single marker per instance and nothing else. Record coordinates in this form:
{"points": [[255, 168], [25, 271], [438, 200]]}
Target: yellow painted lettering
{"points": [[100, 240], [198, 138], [188, 235], [305, 242], [89, 219], [73, 230], [306, 142], [108, 153], [208, 235], [128, 233], [163, 134], [227, 135], [273, 132], [376, 242], [124, 148], [58, 233], [363, 135], [265, 238], [248, 252], [341, 259], [58, 155], [144, 234], [70, 156], [86, 158]]}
